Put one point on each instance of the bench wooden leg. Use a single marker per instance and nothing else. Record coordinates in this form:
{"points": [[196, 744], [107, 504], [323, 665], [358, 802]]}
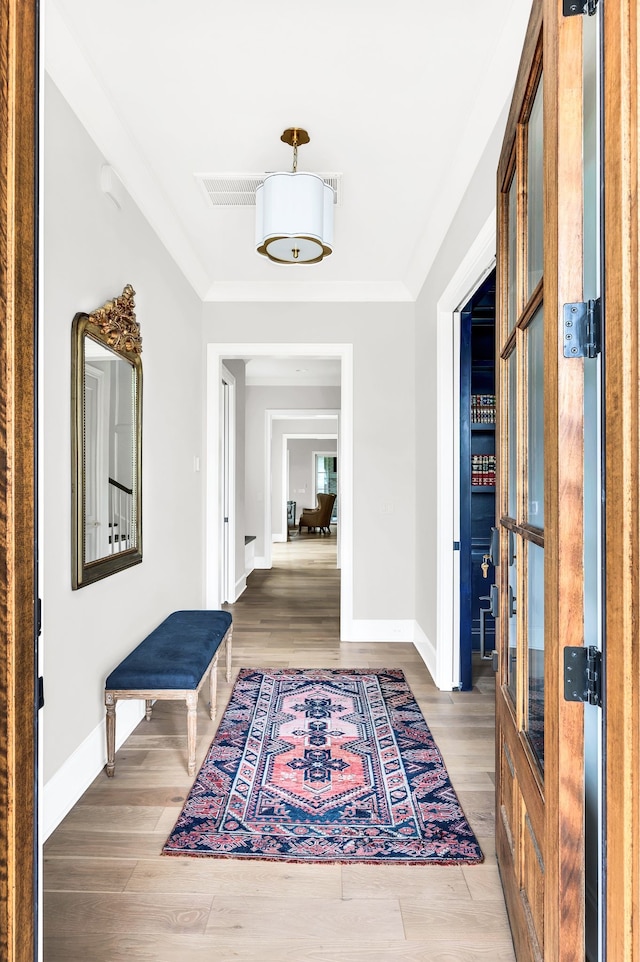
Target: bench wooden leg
{"points": [[192, 730], [228, 651], [110, 703], [213, 688], [148, 703]]}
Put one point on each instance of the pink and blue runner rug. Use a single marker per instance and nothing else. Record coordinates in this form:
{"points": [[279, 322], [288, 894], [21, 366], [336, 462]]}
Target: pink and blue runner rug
{"points": [[324, 765]]}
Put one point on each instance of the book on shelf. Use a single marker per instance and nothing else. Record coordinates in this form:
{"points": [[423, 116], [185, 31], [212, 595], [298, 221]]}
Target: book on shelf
{"points": [[483, 409], [483, 470]]}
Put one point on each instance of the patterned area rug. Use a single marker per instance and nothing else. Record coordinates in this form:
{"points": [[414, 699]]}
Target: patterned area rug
{"points": [[324, 765]]}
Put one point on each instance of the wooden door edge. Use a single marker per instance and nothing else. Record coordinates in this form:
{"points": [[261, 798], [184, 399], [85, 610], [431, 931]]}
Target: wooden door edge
{"points": [[18, 86], [622, 469]]}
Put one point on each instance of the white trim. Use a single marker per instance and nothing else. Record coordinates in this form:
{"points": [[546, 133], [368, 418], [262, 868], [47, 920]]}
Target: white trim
{"points": [[215, 354], [456, 334], [229, 576], [261, 562], [69, 783], [426, 650], [241, 585], [473, 269], [381, 630], [293, 414], [285, 460]]}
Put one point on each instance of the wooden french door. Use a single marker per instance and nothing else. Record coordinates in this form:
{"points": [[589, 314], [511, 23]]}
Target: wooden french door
{"points": [[539, 735]]}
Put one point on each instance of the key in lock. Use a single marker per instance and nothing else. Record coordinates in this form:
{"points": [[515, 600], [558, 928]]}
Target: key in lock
{"points": [[485, 565]]}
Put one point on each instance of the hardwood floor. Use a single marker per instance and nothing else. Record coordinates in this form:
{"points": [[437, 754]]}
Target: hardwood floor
{"points": [[110, 896]]}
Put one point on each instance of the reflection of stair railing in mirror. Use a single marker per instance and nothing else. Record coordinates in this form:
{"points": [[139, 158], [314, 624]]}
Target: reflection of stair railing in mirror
{"points": [[121, 526]]}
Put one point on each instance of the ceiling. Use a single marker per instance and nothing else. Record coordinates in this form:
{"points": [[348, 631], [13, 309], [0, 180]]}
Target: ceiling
{"points": [[292, 371], [400, 98]]}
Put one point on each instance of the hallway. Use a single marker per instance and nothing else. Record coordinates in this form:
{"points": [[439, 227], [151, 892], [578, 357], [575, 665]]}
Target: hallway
{"points": [[110, 897]]}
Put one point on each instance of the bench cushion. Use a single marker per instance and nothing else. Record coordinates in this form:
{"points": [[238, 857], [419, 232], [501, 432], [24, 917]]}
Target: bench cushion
{"points": [[175, 654]]}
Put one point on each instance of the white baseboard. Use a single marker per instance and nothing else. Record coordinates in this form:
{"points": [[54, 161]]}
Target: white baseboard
{"points": [[260, 563], [278, 538], [241, 585], [361, 629], [425, 649], [63, 789]]}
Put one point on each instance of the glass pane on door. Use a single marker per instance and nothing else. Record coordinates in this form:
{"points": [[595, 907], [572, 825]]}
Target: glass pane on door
{"points": [[513, 254], [535, 642], [535, 418], [512, 664], [512, 502], [534, 194]]}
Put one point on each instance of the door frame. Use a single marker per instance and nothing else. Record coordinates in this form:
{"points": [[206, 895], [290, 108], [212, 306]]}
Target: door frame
{"points": [[18, 530], [286, 468], [272, 537], [474, 268], [228, 466], [97, 469], [216, 352]]}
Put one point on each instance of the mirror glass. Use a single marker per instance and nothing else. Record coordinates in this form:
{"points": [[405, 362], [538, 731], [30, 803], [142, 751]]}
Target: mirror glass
{"points": [[106, 448]]}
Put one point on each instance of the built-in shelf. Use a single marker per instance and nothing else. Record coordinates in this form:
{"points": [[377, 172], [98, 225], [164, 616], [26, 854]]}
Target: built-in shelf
{"points": [[483, 427], [483, 489]]}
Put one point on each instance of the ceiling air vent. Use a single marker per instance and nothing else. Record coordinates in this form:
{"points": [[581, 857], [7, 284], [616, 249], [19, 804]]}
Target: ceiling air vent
{"points": [[239, 190]]}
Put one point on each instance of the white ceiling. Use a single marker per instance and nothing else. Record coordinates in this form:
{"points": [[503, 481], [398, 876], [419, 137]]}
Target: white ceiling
{"points": [[292, 371], [398, 97]]}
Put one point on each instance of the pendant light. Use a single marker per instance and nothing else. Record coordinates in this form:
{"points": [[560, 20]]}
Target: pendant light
{"points": [[294, 212]]}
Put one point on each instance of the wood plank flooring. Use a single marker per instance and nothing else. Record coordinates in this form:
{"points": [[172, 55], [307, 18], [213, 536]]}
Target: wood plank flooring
{"points": [[111, 897]]}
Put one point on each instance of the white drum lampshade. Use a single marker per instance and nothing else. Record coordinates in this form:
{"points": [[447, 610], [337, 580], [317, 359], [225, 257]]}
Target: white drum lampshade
{"points": [[294, 218], [294, 212]]}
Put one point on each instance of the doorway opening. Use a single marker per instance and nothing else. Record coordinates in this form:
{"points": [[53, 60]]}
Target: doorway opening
{"points": [[300, 470], [224, 352], [477, 477]]}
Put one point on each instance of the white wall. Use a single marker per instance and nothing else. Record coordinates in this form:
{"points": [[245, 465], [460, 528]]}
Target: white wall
{"points": [[383, 429], [92, 250], [301, 468], [433, 397]]}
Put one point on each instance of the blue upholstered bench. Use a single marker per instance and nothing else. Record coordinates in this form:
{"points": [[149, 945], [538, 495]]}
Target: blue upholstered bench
{"points": [[172, 662]]}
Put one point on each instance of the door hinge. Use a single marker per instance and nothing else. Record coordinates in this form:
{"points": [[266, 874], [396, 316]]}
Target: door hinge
{"points": [[582, 329], [583, 674], [576, 8], [40, 694], [456, 546]]}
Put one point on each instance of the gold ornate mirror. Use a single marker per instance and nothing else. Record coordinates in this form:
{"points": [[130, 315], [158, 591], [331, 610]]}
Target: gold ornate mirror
{"points": [[106, 441]]}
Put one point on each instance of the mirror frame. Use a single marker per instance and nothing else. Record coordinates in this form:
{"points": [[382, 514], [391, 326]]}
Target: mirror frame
{"points": [[113, 325]]}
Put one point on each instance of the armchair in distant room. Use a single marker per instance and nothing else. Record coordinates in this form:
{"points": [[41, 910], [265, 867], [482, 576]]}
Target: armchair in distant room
{"points": [[320, 516]]}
